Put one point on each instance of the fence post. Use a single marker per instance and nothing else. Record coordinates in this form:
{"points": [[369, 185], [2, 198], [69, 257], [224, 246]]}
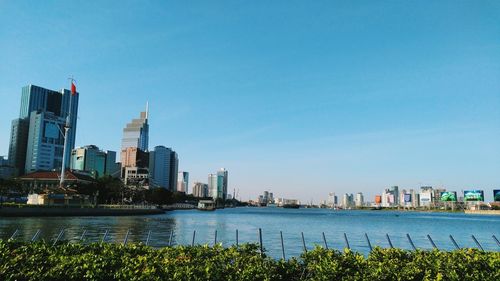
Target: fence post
{"points": [[389, 240], [126, 237], [36, 235], [215, 238], [346, 241], [368, 241], [194, 235], [147, 239], [411, 242], [496, 240], [104, 236], [237, 242], [454, 242], [83, 235], [13, 236], [477, 243], [432, 242], [282, 246], [304, 242], [61, 233], [260, 242], [171, 237], [324, 241]]}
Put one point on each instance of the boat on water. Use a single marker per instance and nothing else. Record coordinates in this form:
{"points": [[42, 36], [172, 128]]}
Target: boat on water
{"points": [[206, 205], [291, 206]]}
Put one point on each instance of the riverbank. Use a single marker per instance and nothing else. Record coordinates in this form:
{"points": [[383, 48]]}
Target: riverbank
{"points": [[44, 261], [483, 212], [66, 211]]}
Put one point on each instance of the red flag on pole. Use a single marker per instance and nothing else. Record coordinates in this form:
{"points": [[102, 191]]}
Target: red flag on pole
{"points": [[73, 88]]}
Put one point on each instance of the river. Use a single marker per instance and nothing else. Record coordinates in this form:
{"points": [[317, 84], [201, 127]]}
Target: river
{"points": [[292, 222]]}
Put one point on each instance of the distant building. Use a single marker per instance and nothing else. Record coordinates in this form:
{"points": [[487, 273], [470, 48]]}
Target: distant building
{"points": [[222, 175], [136, 133], [426, 195], [212, 185], [183, 182], [50, 179], [163, 165], [6, 171], [200, 190], [415, 199], [348, 201], [36, 141], [91, 159], [359, 201], [390, 197]]}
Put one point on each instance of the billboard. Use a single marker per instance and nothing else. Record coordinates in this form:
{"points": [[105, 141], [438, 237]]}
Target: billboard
{"points": [[378, 199], [496, 195], [449, 196], [473, 195], [407, 197], [425, 198]]}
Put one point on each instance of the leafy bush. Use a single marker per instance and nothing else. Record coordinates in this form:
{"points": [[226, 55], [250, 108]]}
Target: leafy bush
{"points": [[98, 261]]}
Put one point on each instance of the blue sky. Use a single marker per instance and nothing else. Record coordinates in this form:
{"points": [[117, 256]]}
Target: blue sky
{"points": [[298, 97]]}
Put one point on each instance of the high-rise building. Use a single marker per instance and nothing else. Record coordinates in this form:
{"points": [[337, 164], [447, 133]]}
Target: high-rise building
{"points": [[222, 183], [18, 144], [347, 201], [359, 202], [212, 185], [136, 133], [183, 182], [174, 169], [91, 159], [37, 133], [200, 190]]}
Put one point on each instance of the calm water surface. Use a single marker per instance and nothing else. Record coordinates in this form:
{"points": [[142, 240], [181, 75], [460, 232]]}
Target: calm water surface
{"points": [[312, 222]]}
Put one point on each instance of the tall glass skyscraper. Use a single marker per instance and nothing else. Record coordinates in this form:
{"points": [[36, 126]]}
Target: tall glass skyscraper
{"points": [[136, 133], [163, 165], [37, 133]]}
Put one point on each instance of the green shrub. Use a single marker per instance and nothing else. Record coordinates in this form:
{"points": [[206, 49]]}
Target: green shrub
{"points": [[99, 261]]}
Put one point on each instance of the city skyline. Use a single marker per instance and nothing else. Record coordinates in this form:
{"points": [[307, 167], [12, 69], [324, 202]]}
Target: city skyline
{"points": [[345, 99]]}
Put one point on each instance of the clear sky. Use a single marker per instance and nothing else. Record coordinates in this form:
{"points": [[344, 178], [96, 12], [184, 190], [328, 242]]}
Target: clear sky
{"points": [[300, 98]]}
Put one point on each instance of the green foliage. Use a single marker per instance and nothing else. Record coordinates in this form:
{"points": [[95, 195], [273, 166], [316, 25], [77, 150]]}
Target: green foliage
{"points": [[97, 261]]}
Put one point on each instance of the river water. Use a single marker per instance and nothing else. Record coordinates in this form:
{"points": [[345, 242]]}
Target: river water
{"points": [[292, 222]]}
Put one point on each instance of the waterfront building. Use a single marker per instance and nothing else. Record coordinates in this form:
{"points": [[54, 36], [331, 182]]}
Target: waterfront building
{"points": [[222, 183], [426, 195], [348, 201], [174, 170], [183, 182], [42, 180], [37, 141], [136, 176], [6, 171], [18, 143], [212, 185], [359, 202], [415, 199], [136, 133], [200, 190], [91, 159], [332, 200]]}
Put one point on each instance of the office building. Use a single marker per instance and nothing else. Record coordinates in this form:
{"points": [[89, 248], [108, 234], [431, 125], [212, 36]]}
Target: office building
{"points": [[38, 132], [91, 159], [183, 182], [200, 190], [174, 170], [348, 201], [6, 171], [222, 183], [212, 185], [359, 201], [136, 133], [426, 195]]}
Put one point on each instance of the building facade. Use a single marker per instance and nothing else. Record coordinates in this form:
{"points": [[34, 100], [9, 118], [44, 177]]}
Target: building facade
{"points": [[136, 133], [37, 135], [183, 182], [200, 190], [91, 159]]}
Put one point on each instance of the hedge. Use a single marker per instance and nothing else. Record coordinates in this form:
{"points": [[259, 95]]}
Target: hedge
{"points": [[101, 261]]}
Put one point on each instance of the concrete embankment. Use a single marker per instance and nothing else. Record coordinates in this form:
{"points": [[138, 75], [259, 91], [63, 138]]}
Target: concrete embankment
{"points": [[72, 211], [483, 212]]}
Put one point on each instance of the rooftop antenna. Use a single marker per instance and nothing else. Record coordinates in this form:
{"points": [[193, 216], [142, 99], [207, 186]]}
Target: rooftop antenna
{"points": [[147, 109]]}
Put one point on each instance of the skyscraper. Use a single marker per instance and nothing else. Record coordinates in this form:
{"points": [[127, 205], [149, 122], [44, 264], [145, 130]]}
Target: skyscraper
{"points": [[163, 165], [37, 133], [183, 182], [136, 133], [212, 186], [222, 183]]}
